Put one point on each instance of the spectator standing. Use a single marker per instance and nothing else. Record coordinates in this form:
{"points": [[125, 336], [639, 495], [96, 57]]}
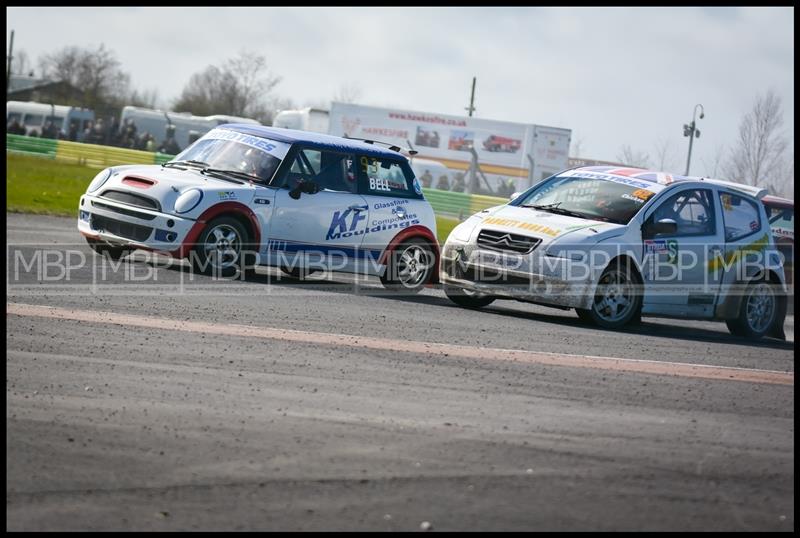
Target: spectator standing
{"points": [[458, 184], [427, 179], [73, 131]]}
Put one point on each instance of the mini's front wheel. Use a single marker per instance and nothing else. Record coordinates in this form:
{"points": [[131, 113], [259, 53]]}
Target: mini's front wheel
{"points": [[221, 248]]}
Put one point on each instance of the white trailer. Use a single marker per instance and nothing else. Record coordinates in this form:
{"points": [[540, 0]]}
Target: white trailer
{"points": [[305, 119]]}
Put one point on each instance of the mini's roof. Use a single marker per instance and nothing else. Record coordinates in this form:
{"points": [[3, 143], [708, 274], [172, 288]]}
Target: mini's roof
{"points": [[664, 178], [312, 140]]}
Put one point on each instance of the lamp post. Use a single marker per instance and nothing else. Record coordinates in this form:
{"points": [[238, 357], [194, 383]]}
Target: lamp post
{"points": [[692, 131]]}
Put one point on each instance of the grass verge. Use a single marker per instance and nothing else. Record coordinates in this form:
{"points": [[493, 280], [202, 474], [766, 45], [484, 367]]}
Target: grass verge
{"points": [[45, 186]]}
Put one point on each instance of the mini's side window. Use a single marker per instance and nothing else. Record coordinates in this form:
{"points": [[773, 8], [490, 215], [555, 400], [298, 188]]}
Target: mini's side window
{"points": [[386, 177], [740, 216], [692, 211], [329, 170]]}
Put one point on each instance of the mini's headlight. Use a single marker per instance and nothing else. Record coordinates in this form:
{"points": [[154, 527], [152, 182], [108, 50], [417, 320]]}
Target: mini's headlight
{"points": [[99, 179], [188, 200]]}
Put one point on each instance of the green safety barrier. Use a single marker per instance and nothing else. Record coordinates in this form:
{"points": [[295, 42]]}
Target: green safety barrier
{"points": [[92, 155], [41, 147], [456, 204], [459, 204], [479, 202]]}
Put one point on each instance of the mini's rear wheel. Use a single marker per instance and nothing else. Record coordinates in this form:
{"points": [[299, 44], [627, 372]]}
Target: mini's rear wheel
{"points": [[410, 266]]}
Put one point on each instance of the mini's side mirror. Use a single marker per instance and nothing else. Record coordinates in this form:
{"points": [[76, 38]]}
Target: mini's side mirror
{"points": [[308, 187], [513, 196]]}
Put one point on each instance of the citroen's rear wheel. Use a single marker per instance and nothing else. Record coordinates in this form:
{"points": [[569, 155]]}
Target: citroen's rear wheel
{"points": [[757, 312]]}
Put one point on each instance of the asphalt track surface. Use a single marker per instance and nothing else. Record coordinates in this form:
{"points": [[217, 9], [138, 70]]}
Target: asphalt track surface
{"points": [[178, 402]]}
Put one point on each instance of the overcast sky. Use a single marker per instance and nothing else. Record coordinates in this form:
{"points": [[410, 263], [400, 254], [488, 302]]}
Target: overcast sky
{"points": [[613, 75]]}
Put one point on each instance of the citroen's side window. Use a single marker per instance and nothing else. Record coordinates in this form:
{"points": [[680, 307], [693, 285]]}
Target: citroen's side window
{"points": [[692, 211], [741, 216]]}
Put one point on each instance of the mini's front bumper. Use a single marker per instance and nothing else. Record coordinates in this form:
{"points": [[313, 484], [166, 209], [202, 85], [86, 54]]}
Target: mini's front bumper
{"points": [[537, 278], [131, 226]]}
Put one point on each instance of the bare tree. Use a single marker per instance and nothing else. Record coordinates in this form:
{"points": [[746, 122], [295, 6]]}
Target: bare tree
{"points": [[21, 64], [348, 93], [241, 86], [144, 98], [759, 154], [630, 157], [664, 155], [95, 72]]}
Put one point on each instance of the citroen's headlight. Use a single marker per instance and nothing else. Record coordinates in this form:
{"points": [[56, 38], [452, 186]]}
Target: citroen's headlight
{"points": [[99, 179], [574, 254], [188, 200]]}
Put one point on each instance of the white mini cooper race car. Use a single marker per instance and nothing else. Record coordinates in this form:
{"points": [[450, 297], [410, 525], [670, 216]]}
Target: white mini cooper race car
{"points": [[245, 195], [617, 243]]}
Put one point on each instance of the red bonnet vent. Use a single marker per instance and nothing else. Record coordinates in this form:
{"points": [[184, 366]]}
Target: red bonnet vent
{"points": [[139, 182]]}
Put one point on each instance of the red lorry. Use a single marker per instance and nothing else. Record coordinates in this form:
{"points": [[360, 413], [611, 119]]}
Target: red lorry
{"points": [[501, 143]]}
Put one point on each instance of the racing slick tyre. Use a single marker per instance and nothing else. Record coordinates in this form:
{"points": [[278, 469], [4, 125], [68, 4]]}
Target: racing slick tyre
{"points": [[298, 272], [617, 298], [467, 299], [104, 249], [410, 266], [221, 249], [758, 311]]}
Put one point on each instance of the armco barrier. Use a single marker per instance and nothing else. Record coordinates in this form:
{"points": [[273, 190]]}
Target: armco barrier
{"points": [[453, 204]]}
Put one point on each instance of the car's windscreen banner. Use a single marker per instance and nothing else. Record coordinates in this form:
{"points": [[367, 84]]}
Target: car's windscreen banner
{"points": [[633, 182], [273, 147]]}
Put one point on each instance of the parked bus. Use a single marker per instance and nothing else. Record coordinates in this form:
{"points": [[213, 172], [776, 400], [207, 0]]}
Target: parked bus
{"points": [[34, 116]]}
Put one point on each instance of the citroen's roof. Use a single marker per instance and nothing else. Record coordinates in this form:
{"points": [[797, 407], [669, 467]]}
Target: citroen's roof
{"points": [[665, 178]]}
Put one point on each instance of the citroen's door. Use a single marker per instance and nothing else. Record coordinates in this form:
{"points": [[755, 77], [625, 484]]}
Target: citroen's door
{"points": [[675, 264]]}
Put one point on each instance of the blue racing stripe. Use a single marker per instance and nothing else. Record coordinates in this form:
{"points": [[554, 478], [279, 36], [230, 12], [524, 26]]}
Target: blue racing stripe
{"points": [[291, 246]]}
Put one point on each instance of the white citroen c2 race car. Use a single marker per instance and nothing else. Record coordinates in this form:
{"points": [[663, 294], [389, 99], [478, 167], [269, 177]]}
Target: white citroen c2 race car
{"points": [[244, 195], [617, 243]]}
